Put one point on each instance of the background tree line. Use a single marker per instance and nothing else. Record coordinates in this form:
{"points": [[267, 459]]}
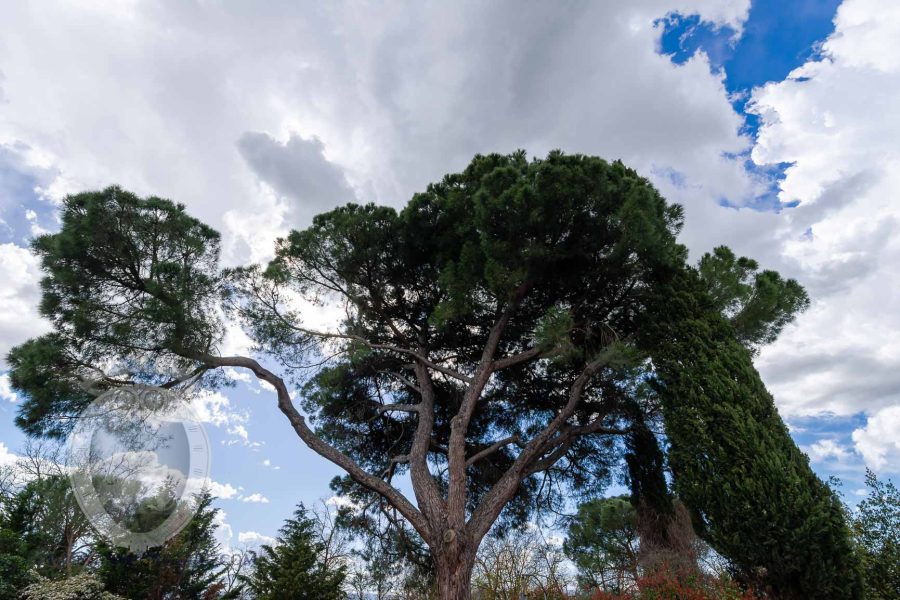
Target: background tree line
{"points": [[49, 551]]}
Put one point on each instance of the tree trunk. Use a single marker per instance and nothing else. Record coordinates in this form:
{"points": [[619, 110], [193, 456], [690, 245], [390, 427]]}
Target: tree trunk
{"points": [[454, 574]]}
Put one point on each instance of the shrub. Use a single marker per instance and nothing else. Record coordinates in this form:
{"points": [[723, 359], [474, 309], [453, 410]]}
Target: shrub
{"points": [[667, 584]]}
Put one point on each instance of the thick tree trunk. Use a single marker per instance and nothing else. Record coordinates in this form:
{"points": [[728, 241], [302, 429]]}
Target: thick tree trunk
{"points": [[454, 574]]}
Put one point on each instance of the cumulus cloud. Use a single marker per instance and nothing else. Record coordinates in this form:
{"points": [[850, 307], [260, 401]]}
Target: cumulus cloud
{"points": [[341, 502], [223, 533], [6, 391], [24, 173], [255, 498], [354, 97], [34, 223], [215, 408], [826, 449], [7, 458], [19, 295], [240, 431], [834, 120], [252, 538], [223, 491], [257, 119], [879, 440], [298, 170]]}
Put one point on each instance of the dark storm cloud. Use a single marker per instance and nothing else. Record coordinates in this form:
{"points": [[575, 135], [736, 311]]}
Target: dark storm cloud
{"points": [[297, 170]]}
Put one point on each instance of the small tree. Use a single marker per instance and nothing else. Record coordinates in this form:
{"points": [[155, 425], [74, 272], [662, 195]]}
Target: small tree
{"points": [[296, 566], [602, 541], [42, 528], [876, 527]]}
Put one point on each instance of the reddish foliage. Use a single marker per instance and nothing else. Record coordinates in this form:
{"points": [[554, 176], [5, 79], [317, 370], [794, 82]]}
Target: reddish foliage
{"points": [[668, 585]]}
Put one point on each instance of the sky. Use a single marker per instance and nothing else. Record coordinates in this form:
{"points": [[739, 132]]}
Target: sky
{"points": [[775, 124]]}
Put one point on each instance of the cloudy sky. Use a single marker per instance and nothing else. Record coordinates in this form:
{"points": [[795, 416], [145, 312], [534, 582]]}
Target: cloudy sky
{"points": [[776, 124]]}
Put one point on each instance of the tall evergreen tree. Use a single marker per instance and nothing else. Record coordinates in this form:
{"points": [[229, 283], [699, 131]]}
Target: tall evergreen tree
{"points": [[294, 567], [757, 304], [753, 495]]}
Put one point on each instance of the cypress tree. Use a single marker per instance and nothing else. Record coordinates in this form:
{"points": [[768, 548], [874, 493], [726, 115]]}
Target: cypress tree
{"points": [[751, 490]]}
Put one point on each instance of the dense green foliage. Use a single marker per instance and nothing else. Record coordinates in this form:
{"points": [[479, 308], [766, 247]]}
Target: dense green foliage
{"points": [[48, 550], [40, 525], [753, 495], [573, 240], [292, 568], [602, 542], [128, 282], [14, 563], [188, 566], [876, 528], [757, 304]]}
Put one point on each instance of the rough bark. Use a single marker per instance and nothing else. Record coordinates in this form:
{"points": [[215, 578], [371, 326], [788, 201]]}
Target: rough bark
{"points": [[453, 570]]}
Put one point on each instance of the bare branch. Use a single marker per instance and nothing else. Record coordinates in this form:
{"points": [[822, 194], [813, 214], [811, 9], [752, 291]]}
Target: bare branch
{"points": [[318, 445], [425, 487], [403, 380], [506, 486], [516, 359], [513, 439]]}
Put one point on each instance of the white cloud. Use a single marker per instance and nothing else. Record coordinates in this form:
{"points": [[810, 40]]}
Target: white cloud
{"points": [[242, 376], [835, 121], [236, 114], [215, 408], [7, 458], [236, 342], [256, 498], [341, 502], [240, 431], [252, 538], [19, 295], [224, 533], [223, 491], [879, 440], [211, 100], [826, 449], [6, 391], [35, 226]]}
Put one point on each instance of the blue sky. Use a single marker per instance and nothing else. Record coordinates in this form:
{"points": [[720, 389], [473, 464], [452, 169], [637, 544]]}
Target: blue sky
{"points": [[259, 117]]}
